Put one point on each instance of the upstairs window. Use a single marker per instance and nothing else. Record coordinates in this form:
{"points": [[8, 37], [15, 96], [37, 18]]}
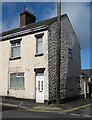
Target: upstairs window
{"points": [[70, 53], [17, 80], [15, 48], [39, 49], [39, 44]]}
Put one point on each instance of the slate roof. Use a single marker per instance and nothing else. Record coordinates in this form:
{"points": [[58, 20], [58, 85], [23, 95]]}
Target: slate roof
{"points": [[87, 72], [29, 26]]}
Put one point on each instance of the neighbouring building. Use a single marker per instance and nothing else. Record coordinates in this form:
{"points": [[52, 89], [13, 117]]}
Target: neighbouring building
{"points": [[86, 77], [28, 60], [88, 73], [83, 86]]}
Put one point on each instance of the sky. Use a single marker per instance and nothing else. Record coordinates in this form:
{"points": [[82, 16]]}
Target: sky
{"points": [[78, 13]]}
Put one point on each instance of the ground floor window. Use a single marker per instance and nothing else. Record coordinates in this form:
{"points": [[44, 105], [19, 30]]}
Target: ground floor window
{"points": [[17, 80]]}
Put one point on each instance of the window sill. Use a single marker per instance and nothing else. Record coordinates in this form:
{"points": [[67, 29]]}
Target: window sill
{"points": [[39, 55], [15, 58]]}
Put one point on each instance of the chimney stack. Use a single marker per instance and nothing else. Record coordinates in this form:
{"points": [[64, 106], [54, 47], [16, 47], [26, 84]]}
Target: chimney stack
{"points": [[26, 18]]}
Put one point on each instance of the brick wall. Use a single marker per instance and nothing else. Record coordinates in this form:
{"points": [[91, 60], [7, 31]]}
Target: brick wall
{"points": [[22, 20], [26, 18]]}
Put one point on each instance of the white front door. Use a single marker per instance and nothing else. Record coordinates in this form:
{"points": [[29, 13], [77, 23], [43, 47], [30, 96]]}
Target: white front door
{"points": [[40, 88]]}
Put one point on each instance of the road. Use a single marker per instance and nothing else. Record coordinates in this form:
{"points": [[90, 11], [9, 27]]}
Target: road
{"points": [[9, 112]]}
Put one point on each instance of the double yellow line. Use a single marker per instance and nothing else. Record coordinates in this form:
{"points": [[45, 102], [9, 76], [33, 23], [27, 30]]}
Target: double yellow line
{"points": [[76, 108]]}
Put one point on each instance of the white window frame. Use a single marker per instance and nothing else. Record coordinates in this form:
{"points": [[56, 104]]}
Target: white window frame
{"points": [[17, 76], [15, 44], [39, 40]]}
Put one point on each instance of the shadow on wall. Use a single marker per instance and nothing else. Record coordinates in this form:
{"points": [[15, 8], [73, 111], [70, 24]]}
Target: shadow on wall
{"points": [[73, 70]]}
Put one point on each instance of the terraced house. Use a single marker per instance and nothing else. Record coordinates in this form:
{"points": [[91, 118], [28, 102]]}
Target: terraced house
{"points": [[28, 60]]}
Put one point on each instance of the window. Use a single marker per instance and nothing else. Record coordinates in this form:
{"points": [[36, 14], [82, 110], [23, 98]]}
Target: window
{"points": [[42, 85], [39, 44], [40, 74], [39, 49], [15, 48], [38, 85], [70, 53], [17, 80]]}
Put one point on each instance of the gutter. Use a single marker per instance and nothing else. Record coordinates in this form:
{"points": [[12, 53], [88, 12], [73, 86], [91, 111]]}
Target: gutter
{"points": [[23, 32]]}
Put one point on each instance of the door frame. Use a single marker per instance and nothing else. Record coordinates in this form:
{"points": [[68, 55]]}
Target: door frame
{"points": [[40, 88], [38, 70]]}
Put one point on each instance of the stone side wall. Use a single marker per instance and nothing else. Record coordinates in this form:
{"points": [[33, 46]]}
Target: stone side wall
{"points": [[69, 68], [52, 38]]}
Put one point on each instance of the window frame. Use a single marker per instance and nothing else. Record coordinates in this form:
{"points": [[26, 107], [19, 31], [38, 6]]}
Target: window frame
{"points": [[17, 44], [17, 76], [38, 36], [39, 40]]}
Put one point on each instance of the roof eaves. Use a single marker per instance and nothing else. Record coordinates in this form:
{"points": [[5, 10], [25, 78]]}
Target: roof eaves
{"points": [[23, 32]]}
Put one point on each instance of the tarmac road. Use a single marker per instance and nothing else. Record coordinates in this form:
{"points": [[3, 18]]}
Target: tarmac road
{"points": [[11, 112]]}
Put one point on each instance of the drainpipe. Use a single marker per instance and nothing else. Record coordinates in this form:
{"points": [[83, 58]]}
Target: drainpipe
{"points": [[85, 87]]}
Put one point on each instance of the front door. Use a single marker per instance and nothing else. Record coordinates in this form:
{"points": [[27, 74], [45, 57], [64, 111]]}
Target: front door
{"points": [[40, 87]]}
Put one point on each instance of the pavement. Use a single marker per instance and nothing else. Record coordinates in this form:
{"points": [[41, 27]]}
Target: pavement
{"points": [[68, 106]]}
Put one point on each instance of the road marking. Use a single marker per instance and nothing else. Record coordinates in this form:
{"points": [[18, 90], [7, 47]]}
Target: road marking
{"points": [[62, 111], [87, 115], [74, 114], [76, 108]]}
